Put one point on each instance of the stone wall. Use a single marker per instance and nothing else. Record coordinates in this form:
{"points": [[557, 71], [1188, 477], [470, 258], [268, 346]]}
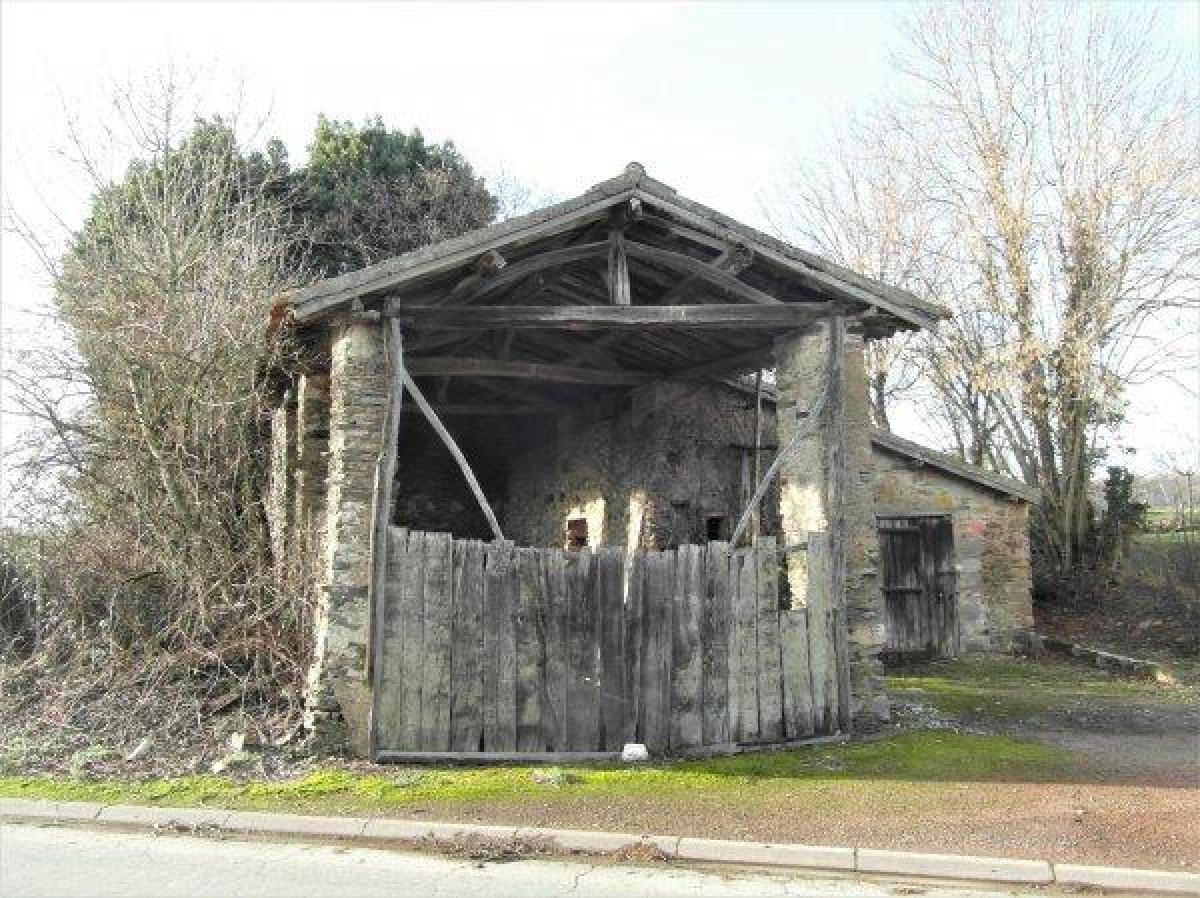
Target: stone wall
{"points": [[991, 546], [338, 694], [826, 488], [645, 472], [311, 474], [280, 498]]}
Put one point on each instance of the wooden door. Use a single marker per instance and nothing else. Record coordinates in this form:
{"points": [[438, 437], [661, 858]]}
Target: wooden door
{"points": [[920, 607]]}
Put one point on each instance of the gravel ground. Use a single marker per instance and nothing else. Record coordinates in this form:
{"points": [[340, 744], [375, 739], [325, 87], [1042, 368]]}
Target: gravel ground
{"points": [[1135, 802], [1081, 823]]}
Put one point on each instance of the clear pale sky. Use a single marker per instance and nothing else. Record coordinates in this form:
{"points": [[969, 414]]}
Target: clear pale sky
{"points": [[713, 98]]}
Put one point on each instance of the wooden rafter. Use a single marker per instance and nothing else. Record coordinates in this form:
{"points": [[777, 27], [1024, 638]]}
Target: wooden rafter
{"points": [[733, 259], [713, 315], [519, 271], [754, 358], [704, 271]]}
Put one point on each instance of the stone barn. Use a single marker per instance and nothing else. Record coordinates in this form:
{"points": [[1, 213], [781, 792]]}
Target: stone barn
{"points": [[553, 506]]}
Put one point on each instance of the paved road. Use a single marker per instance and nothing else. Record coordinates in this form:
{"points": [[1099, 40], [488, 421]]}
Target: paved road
{"points": [[42, 861]]}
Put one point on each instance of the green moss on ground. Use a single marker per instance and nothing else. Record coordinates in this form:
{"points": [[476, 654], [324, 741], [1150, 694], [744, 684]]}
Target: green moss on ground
{"points": [[910, 758], [1014, 688]]}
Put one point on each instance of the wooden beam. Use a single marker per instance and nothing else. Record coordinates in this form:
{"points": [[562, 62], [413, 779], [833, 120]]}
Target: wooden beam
{"points": [[588, 349], [382, 500], [840, 285], [733, 259], [487, 266], [518, 271], [325, 296], [465, 409], [777, 315], [704, 271], [450, 366], [619, 291], [754, 358], [440, 429], [430, 341]]}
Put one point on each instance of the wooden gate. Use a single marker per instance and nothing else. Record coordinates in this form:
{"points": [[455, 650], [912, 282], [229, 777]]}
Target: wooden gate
{"points": [[489, 648], [921, 616]]}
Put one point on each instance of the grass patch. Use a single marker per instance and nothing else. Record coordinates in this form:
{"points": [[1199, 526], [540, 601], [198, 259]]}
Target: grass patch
{"points": [[1167, 536], [1013, 688], [932, 756]]}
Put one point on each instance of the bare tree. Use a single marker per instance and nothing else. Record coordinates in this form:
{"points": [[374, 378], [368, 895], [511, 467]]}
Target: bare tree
{"points": [[145, 460], [860, 206], [1051, 152]]}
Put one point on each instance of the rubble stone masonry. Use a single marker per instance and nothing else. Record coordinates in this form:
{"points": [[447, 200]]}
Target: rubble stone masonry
{"points": [[991, 547]]}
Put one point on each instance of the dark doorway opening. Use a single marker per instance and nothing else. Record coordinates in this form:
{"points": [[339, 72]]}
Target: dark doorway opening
{"points": [[577, 533], [714, 528]]}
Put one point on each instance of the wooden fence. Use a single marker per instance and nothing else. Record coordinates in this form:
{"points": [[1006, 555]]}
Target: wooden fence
{"points": [[486, 647]]}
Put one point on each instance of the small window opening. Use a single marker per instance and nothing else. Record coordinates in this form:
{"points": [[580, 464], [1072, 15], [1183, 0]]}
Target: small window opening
{"points": [[714, 528], [577, 533]]}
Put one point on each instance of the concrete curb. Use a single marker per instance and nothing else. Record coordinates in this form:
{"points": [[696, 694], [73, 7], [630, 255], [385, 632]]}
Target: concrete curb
{"points": [[797, 857]]}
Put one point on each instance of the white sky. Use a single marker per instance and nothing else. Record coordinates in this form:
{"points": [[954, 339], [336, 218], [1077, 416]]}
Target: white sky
{"points": [[713, 98]]}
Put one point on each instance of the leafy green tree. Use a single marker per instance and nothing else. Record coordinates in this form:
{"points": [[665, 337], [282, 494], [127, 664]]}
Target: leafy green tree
{"points": [[368, 193]]}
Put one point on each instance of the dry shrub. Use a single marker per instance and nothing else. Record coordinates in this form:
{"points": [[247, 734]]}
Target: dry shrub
{"points": [[141, 545]]}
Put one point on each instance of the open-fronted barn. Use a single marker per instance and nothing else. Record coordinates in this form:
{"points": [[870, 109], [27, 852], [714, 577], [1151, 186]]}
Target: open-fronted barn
{"points": [[554, 508]]}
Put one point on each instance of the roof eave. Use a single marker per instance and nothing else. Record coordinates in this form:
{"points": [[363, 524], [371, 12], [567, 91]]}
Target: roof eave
{"points": [[997, 483]]}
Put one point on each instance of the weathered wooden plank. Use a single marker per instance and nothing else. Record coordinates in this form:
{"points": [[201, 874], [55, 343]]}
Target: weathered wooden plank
{"points": [[612, 655], [841, 652], [634, 582], [554, 683], [583, 710], [489, 667], [410, 607], [743, 653], [656, 649], [797, 678], [500, 642], [466, 654], [687, 660], [439, 611], [820, 638], [530, 658], [714, 641], [770, 680], [385, 685], [496, 757]]}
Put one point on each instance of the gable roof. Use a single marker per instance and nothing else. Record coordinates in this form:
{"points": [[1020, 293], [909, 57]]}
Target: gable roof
{"points": [[956, 467], [814, 273]]}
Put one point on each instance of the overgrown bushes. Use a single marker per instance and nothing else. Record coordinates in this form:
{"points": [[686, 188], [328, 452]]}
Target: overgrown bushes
{"points": [[138, 559]]}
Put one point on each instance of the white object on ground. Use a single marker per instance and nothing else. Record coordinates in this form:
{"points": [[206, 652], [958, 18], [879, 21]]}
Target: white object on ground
{"points": [[634, 751]]}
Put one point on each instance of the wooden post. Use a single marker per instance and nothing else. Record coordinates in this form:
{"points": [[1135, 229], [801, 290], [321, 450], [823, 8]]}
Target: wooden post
{"points": [[755, 525], [382, 497], [440, 428], [618, 270]]}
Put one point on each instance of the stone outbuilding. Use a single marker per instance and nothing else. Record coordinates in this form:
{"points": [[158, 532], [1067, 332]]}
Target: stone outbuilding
{"points": [[956, 570], [553, 505]]}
